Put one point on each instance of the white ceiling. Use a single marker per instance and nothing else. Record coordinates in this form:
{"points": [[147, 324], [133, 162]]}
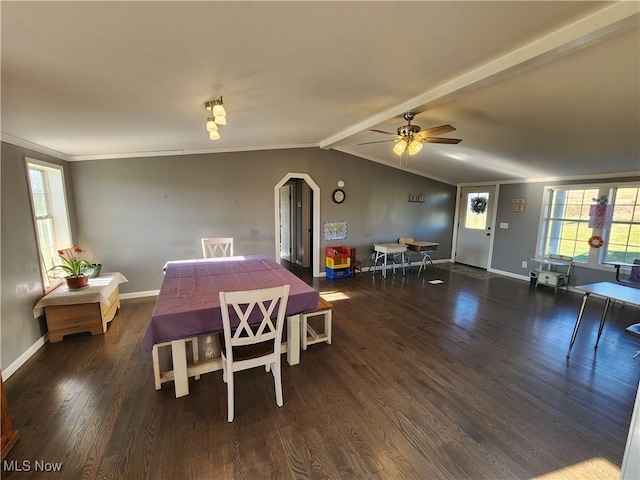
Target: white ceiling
{"points": [[535, 89]]}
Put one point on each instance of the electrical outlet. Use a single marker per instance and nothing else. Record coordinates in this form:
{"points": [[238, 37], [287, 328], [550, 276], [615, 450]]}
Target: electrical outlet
{"points": [[524, 264]]}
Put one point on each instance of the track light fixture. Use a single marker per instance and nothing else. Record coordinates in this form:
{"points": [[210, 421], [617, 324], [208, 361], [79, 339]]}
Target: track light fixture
{"points": [[218, 117]]}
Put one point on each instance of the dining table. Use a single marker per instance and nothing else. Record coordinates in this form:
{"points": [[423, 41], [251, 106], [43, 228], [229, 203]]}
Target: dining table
{"points": [[188, 306]]}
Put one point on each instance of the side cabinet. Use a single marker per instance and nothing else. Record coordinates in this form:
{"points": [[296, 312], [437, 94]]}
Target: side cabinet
{"points": [[9, 435]]}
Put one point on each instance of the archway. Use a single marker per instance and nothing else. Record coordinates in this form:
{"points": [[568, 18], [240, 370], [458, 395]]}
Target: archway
{"points": [[316, 217]]}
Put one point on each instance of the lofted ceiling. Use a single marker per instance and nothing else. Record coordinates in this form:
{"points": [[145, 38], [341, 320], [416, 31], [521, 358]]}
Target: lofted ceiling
{"points": [[534, 89]]}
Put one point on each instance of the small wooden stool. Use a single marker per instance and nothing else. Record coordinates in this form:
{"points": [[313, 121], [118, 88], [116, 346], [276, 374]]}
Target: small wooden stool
{"points": [[308, 335]]}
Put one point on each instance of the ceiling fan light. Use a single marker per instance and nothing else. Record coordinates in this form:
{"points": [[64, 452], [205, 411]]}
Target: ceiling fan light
{"points": [[220, 120], [400, 147], [414, 147], [211, 124], [214, 135]]}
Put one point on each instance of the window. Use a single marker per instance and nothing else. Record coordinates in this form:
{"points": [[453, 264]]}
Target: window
{"points": [[50, 214], [573, 215], [624, 235], [476, 217]]}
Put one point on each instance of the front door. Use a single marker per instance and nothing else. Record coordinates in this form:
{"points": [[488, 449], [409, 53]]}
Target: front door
{"points": [[474, 225]]}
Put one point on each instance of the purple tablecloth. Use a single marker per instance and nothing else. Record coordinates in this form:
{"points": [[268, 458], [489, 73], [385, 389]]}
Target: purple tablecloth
{"points": [[188, 303]]}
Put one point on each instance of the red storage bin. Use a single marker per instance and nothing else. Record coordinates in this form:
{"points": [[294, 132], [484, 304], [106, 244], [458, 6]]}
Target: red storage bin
{"points": [[338, 252]]}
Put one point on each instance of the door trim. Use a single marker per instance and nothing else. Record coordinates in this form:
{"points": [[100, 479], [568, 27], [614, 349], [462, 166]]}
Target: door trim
{"points": [[316, 217]]}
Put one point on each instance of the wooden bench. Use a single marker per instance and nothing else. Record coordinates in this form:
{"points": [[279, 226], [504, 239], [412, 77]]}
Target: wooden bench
{"points": [[308, 335]]}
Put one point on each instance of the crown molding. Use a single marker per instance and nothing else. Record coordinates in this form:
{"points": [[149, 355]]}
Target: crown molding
{"points": [[166, 153], [20, 142]]}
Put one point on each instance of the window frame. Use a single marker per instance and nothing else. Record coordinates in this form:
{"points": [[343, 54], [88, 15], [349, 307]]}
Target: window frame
{"points": [[58, 212], [596, 256]]}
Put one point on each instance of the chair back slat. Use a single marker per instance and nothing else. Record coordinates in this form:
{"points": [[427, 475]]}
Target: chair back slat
{"points": [[217, 247]]}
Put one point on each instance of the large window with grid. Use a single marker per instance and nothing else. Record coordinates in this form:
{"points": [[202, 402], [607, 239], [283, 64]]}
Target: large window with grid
{"points": [[594, 224], [50, 214]]}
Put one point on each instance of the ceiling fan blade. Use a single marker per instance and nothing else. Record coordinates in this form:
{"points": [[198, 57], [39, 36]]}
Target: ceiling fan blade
{"points": [[442, 140], [379, 141], [382, 131], [429, 132]]}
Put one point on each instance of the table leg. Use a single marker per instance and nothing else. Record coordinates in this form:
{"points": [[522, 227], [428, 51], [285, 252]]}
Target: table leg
{"points": [[180, 376], [602, 319], [578, 320], [403, 272], [423, 264], [293, 339], [375, 263], [428, 257]]}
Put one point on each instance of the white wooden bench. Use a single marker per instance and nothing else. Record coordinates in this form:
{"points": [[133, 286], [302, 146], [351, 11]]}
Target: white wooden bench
{"points": [[171, 357], [308, 335], [160, 376]]}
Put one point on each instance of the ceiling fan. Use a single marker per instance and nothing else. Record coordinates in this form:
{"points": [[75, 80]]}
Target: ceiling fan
{"points": [[411, 137]]}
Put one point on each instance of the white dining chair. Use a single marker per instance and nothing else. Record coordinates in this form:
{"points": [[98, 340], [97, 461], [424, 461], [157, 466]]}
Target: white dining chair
{"points": [[217, 247], [256, 344]]}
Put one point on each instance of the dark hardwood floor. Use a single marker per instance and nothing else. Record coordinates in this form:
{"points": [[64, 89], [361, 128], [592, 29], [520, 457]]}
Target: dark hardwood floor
{"points": [[466, 379]]}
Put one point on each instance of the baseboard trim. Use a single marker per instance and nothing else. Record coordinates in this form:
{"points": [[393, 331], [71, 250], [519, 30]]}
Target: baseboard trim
{"points": [[147, 293], [22, 359], [509, 274]]}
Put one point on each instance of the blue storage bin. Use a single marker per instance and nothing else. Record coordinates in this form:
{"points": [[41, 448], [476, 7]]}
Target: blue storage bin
{"points": [[338, 272]]}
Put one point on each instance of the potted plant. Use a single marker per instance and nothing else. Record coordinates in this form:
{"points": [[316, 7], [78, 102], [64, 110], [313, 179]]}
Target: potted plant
{"points": [[74, 267], [94, 270]]}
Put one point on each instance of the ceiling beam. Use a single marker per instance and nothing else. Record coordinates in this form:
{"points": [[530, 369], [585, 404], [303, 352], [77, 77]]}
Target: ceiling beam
{"points": [[577, 35]]}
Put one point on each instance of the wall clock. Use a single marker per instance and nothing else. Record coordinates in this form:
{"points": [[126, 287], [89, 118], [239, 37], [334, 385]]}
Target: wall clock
{"points": [[338, 195]]}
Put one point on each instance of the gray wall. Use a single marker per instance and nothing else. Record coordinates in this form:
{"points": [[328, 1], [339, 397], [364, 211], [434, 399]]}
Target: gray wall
{"points": [[518, 242], [19, 265], [135, 214]]}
